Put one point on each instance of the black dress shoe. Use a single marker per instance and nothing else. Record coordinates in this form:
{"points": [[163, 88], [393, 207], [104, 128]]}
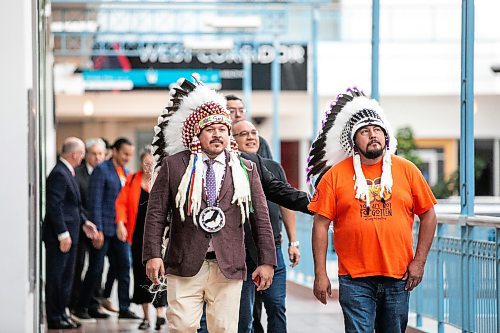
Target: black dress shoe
{"points": [[159, 322], [59, 325], [128, 315], [144, 325], [72, 322], [83, 316], [98, 314]]}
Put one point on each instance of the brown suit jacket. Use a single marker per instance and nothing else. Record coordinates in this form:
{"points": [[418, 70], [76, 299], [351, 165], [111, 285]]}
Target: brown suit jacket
{"points": [[188, 244]]}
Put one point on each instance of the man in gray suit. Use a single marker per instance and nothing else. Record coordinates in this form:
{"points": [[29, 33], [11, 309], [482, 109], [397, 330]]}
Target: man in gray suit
{"points": [[205, 257]]}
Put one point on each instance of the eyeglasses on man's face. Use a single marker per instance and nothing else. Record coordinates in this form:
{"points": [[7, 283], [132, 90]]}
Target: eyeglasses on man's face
{"points": [[245, 134], [234, 110]]}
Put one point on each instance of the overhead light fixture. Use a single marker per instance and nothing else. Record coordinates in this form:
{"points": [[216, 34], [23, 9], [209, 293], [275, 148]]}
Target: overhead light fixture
{"points": [[88, 108], [223, 44], [234, 22], [92, 85], [74, 26]]}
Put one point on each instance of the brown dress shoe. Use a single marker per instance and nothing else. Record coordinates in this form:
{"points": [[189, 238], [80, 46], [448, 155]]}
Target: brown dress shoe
{"points": [[106, 303]]}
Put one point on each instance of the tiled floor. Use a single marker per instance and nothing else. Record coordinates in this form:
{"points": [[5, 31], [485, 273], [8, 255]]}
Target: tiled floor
{"points": [[304, 314]]}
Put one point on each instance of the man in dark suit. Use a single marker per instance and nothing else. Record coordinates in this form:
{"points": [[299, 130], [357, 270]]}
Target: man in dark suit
{"points": [[94, 155], [238, 113], [104, 186], [247, 137], [60, 231], [205, 257]]}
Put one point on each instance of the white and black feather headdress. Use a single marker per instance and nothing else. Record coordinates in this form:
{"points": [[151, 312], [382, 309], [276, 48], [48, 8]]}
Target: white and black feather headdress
{"points": [[192, 107], [345, 116]]}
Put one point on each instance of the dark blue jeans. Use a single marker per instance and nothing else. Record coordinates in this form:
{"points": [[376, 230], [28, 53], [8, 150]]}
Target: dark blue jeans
{"points": [[374, 303], [110, 278], [120, 259], [273, 299], [203, 321]]}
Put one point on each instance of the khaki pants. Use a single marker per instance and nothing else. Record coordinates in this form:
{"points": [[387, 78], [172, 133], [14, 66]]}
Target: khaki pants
{"points": [[186, 295]]}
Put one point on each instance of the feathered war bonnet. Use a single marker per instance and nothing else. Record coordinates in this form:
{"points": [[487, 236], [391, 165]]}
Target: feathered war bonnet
{"points": [[345, 116], [192, 107]]}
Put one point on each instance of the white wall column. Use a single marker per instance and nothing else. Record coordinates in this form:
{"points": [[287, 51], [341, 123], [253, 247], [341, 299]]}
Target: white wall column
{"points": [[16, 65], [496, 167]]}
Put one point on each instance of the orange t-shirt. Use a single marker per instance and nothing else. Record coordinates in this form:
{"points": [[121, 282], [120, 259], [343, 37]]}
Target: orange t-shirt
{"points": [[378, 241]]}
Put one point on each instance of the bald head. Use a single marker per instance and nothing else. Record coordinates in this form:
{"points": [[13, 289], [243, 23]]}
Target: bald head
{"points": [[246, 136], [73, 150], [242, 124]]}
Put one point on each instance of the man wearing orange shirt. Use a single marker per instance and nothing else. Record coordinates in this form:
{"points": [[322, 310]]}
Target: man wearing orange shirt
{"points": [[371, 196]]}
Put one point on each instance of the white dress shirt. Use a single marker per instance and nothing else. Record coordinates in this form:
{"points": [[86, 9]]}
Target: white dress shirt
{"points": [[69, 166], [219, 170], [90, 168]]}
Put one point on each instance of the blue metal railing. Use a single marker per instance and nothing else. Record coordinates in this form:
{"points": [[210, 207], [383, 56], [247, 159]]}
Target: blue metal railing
{"points": [[461, 285], [304, 273]]}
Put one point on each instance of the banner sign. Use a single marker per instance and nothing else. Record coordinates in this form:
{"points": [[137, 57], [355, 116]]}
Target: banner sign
{"points": [[119, 79], [229, 64]]}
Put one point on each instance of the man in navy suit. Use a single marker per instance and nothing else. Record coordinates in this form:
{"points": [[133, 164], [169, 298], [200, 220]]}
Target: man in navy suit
{"points": [[104, 186], [94, 155], [61, 230]]}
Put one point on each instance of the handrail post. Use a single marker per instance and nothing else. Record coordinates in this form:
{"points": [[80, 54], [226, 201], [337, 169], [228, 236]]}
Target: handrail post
{"points": [[418, 307], [471, 296], [440, 277], [497, 264], [464, 269], [419, 300]]}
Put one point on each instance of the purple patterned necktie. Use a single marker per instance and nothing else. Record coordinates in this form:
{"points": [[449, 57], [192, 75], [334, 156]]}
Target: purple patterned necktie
{"points": [[210, 185]]}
